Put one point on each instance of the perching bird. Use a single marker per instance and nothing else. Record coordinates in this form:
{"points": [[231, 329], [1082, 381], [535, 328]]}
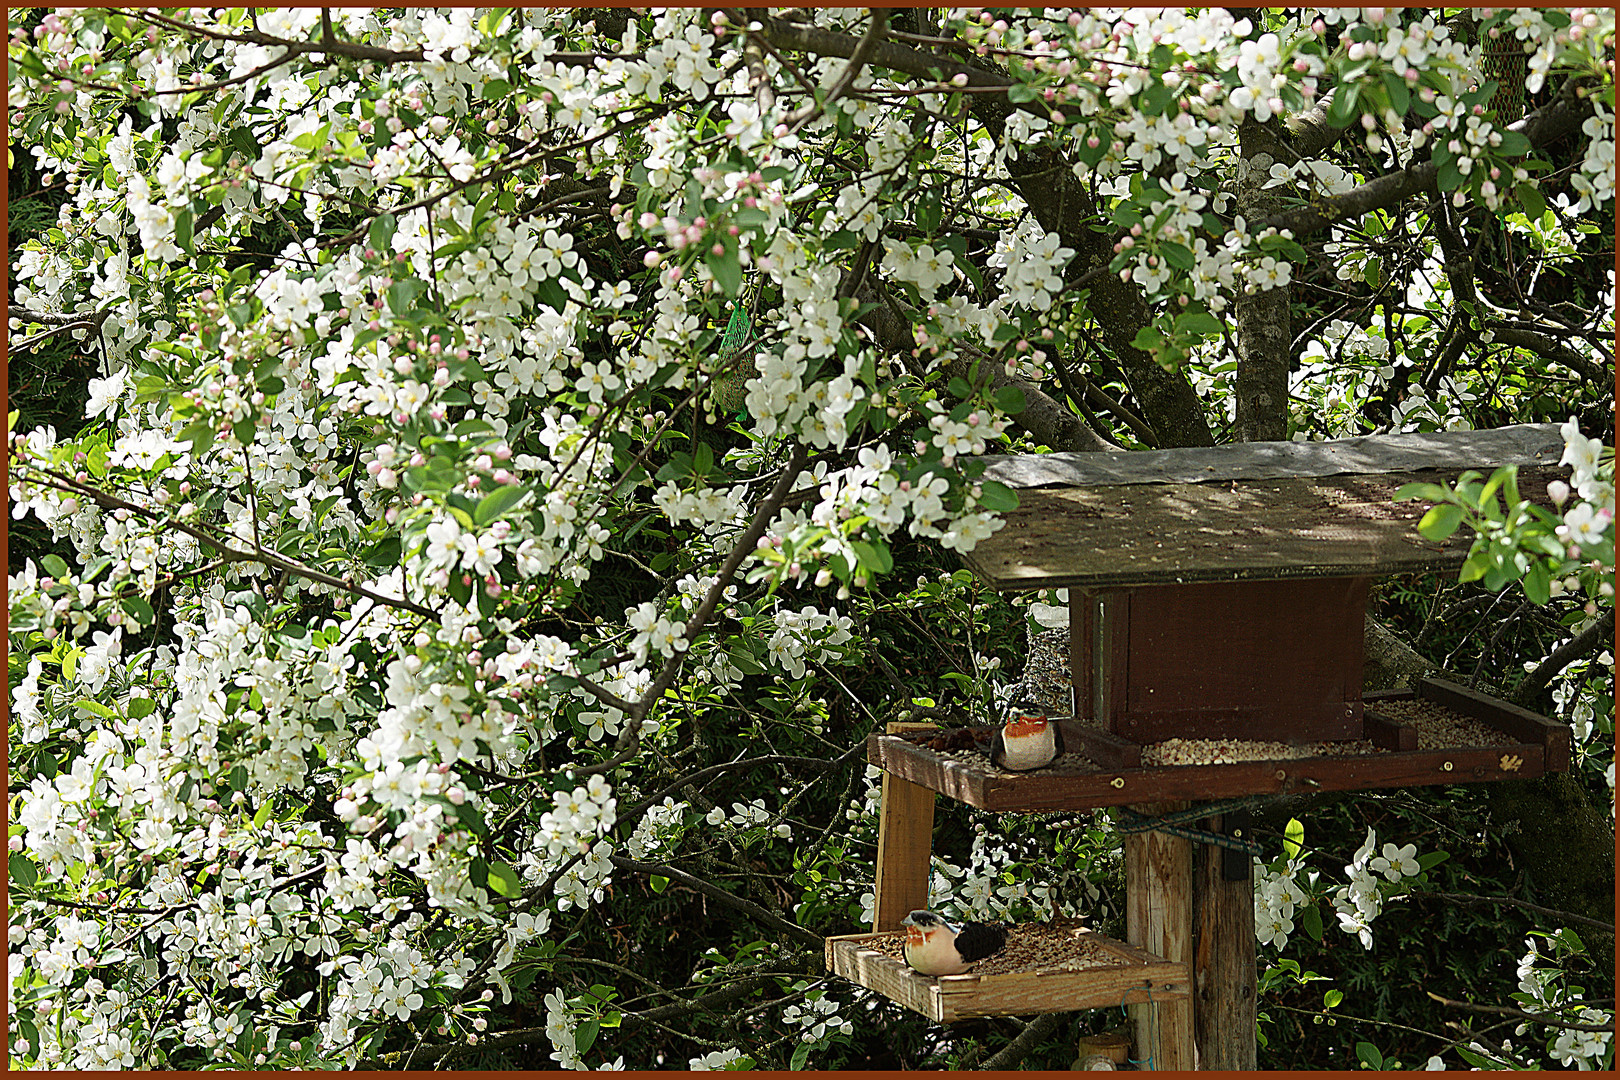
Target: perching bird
{"points": [[937, 947], [1026, 741]]}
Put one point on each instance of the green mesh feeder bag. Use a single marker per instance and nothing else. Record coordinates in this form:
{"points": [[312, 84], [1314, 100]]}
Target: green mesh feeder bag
{"points": [[728, 388]]}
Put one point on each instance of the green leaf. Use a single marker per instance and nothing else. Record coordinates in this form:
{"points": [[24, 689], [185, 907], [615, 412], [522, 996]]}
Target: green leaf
{"points": [[998, 497], [1441, 521], [1429, 492], [1010, 400], [498, 502], [1475, 566], [182, 231], [401, 294], [1180, 257], [22, 869], [92, 706], [262, 815], [504, 880], [1530, 197], [495, 89], [54, 565], [381, 234], [874, 556], [1538, 583], [928, 211], [1342, 109], [1311, 919], [1198, 322], [1448, 177], [801, 1053], [200, 435], [727, 271], [1400, 95], [658, 882], [585, 1035], [1368, 1054], [1332, 998], [139, 609], [1294, 838]]}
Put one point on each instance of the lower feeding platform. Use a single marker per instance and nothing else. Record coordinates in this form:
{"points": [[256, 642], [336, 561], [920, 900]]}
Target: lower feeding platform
{"points": [[1059, 966]]}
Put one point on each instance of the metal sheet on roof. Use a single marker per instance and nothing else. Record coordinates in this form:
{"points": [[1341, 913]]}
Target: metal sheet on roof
{"points": [[1521, 444]]}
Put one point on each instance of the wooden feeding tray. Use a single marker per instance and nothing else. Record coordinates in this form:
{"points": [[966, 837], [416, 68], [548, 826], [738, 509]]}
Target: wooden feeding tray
{"points": [[1437, 733], [1045, 967]]}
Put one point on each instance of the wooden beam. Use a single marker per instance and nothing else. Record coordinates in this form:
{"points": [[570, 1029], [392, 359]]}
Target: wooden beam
{"points": [[1071, 786], [1224, 973], [905, 846], [1158, 919]]}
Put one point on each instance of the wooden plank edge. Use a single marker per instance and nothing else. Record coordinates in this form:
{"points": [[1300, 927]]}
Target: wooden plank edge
{"points": [[1039, 791], [1104, 747], [1387, 732], [1514, 720]]}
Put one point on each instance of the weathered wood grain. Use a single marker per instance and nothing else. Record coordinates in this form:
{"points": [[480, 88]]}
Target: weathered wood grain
{"points": [[1223, 965], [1158, 919], [1141, 534], [905, 843]]}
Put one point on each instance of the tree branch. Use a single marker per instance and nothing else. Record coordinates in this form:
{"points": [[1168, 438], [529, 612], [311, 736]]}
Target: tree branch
{"points": [[761, 915], [744, 547], [1471, 900], [1548, 349], [255, 554], [852, 71], [1560, 117], [1520, 1014], [1014, 1052], [1576, 647]]}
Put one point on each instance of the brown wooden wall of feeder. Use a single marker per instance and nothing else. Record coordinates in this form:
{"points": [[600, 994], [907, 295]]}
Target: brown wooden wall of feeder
{"points": [[1226, 659], [1408, 754]]}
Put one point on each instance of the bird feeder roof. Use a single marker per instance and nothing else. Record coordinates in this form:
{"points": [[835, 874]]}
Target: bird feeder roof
{"points": [[1247, 511]]}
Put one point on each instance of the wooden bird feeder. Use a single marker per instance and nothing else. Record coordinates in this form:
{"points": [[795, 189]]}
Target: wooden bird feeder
{"points": [[1217, 597], [1217, 610]]}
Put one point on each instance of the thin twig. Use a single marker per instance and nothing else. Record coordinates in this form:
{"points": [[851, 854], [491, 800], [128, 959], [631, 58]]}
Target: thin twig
{"points": [[1519, 1014]]}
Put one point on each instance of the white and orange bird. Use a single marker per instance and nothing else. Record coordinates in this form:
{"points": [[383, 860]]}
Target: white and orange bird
{"points": [[1028, 740], [935, 946]]}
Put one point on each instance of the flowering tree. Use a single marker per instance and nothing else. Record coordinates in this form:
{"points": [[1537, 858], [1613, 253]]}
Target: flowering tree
{"points": [[513, 428]]}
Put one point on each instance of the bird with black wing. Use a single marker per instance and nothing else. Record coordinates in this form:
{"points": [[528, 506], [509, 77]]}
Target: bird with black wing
{"points": [[936, 946]]}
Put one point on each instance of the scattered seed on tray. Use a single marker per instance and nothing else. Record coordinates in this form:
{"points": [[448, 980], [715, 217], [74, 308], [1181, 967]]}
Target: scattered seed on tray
{"points": [[1231, 751], [1442, 728]]}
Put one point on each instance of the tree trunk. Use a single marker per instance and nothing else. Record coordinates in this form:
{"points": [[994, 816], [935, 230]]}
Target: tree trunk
{"points": [[1564, 846], [1060, 203], [1263, 336]]}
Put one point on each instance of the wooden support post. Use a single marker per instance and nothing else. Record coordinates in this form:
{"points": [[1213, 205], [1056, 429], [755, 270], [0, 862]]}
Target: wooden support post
{"points": [[905, 846], [1223, 974], [1158, 918]]}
